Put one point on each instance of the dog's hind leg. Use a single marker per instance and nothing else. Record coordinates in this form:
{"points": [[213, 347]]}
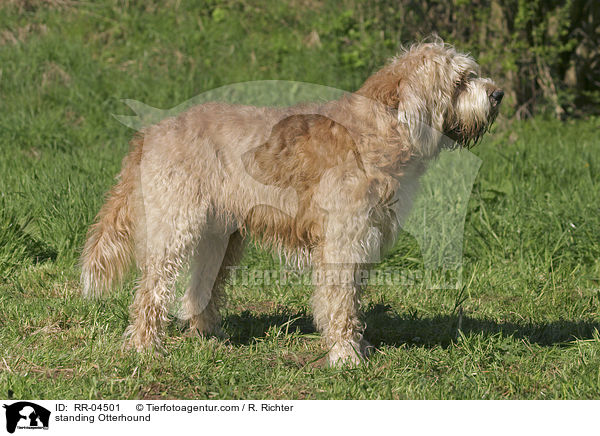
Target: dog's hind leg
{"points": [[162, 248], [211, 264]]}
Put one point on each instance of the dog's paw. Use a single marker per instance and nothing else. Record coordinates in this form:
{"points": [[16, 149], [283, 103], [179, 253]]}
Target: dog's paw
{"points": [[204, 326], [142, 342], [349, 353], [215, 332]]}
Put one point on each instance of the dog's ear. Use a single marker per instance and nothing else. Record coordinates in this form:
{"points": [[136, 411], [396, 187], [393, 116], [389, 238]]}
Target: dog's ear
{"points": [[383, 87], [423, 125]]}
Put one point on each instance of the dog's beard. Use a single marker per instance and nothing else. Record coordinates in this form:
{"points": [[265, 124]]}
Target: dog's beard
{"points": [[462, 135]]}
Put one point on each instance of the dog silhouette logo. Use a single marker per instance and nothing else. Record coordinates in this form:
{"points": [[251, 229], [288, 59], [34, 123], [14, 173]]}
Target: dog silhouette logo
{"points": [[26, 415]]}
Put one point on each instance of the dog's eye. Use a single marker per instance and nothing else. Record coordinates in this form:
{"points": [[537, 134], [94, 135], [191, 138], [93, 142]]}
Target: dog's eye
{"points": [[465, 77], [461, 83]]}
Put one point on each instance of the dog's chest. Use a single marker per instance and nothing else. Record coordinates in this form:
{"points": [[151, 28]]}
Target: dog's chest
{"points": [[391, 210]]}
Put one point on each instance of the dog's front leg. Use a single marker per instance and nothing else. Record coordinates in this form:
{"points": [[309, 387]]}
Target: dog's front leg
{"points": [[347, 247], [336, 313]]}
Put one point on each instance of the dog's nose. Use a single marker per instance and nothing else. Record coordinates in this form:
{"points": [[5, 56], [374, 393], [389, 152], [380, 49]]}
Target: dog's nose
{"points": [[496, 96]]}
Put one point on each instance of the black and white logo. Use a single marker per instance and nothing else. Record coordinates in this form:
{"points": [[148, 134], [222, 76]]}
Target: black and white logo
{"points": [[26, 415]]}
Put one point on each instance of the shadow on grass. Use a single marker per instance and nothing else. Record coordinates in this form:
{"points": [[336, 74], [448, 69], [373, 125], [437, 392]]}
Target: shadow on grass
{"points": [[245, 327], [36, 250], [385, 327]]}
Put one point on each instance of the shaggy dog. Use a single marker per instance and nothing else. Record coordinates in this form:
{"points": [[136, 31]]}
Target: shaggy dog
{"points": [[329, 183]]}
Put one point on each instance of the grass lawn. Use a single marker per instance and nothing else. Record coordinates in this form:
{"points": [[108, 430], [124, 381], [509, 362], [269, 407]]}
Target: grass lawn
{"points": [[524, 326]]}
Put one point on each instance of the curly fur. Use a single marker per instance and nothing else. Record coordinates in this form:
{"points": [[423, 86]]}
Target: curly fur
{"points": [[330, 183]]}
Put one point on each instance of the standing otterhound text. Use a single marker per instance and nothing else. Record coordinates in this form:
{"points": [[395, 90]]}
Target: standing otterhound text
{"points": [[330, 183]]}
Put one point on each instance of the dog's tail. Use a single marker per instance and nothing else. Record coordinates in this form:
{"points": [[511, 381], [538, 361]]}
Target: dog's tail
{"points": [[107, 253]]}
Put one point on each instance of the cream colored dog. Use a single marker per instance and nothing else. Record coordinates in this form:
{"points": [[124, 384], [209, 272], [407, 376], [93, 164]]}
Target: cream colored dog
{"points": [[329, 182]]}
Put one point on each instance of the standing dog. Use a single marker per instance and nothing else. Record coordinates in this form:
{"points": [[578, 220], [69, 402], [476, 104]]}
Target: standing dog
{"points": [[329, 182]]}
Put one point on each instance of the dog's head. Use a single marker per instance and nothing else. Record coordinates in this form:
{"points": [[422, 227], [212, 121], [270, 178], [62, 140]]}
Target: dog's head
{"points": [[439, 95]]}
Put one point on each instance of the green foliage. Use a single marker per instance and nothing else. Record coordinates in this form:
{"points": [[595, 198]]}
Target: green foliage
{"points": [[544, 53]]}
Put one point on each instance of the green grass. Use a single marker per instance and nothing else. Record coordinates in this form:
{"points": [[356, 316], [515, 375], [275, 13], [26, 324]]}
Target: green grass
{"points": [[528, 313]]}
